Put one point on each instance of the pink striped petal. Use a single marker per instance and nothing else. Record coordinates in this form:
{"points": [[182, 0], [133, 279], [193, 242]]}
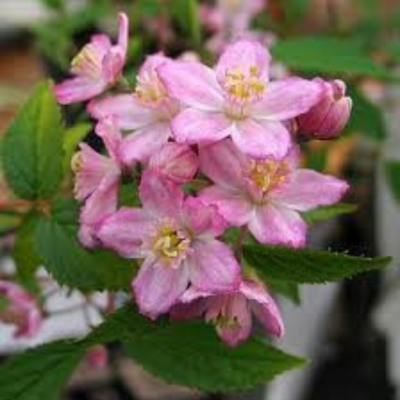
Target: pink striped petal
{"points": [[213, 267], [306, 189], [193, 84], [78, 89], [262, 139], [157, 287], [275, 225], [194, 126], [287, 99]]}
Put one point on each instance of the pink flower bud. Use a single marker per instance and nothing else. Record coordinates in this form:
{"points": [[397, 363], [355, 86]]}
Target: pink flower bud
{"points": [[97, 357], [329, 116], [20, 310]]}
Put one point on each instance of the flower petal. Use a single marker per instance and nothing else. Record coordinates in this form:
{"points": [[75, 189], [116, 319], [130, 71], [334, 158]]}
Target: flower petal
{"points": [[160, 196], [194, 126], [124, 231], [78, 89], [213, 267], [244, 55], [201, 218], [157, 287], [142, 144], [264, 307], [125, 109], [262, 140], [99, 205], [275, 225], [176, 162], [108, 130], [307, 189], [123, 32], [235, 207], [222, 163], [286, 99], [193, 84]]}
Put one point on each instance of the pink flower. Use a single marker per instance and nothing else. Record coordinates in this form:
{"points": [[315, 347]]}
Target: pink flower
{"points": [[176, 237], [148, 111], [329, 116], [266, 195], [97, 180], [236, 99], [97, 357], [21, 309], [176, 162], [231, 312], [98, 65]]}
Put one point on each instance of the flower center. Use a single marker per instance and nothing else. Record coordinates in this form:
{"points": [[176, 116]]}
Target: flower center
{"points": [[244, 87], [170, 244], [76, 162], [149, 89], [87, 62], [267, 174]]}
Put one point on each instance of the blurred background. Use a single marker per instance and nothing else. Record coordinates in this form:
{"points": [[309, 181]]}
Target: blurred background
{"points": [[348, 330]]}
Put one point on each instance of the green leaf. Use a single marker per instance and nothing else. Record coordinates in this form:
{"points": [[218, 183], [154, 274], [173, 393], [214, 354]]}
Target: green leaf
{"points": [[186, 13], [72, 137], [71, 264], [39, 374], [392, 170], [327, 55], [25, 255], [9, 222], [191, 354], [326, 212], [289, 290], [308, 266], [366, 117], [32, 147]]}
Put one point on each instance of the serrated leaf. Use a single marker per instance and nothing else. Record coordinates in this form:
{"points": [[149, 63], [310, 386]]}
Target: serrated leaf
{"points": [[25, 255], [392, 171], [327, 212], [307, 265], [191, 354], [72, 137], [72, 265], [39, 374], [289, 290], [327, 55], [32, 147], [366, 117]]}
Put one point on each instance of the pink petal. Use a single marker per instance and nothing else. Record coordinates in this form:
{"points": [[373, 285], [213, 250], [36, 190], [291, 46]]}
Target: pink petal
{"points": [[222, 163], [234, 206], [112, 138], [244, 55], [123, 32], [262, 139], [175, 161], [233, 336], [307, 189], [192, 83], [275, 225], [160, 196], [113, 64], [192, 304], [213, 267], [202, 219], [124, 232], [157, 287], [195, 126], [100, 205], [93, 167], [264, 307], [125, 109], [78, 89], [286, 99], [142, 144], [101, 43]]}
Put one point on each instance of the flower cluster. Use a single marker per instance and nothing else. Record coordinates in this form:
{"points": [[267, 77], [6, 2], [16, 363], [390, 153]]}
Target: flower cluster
{"points": [[212, 149]]}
